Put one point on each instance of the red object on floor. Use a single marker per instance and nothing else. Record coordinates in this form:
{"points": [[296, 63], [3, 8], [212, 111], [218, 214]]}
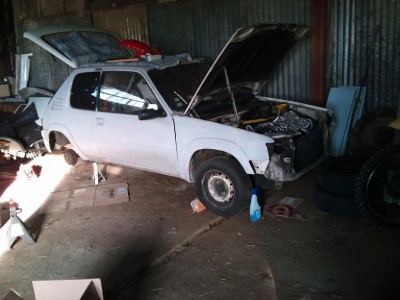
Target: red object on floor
{"points": [[139, 47], [280, 210]]}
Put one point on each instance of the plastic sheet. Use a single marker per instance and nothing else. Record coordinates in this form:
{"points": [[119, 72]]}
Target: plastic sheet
{"points": [[288, 123], [87, 47]]}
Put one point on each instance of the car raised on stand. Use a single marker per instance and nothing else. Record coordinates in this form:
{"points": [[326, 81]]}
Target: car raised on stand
{"points": [[175, 116]]}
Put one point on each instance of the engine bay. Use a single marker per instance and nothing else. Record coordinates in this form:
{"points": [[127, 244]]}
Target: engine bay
{"points": [[272, 117], [299, 130]]}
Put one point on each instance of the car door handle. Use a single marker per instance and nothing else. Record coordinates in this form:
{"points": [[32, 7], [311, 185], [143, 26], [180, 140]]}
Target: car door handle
{"points": [[99, 121]]}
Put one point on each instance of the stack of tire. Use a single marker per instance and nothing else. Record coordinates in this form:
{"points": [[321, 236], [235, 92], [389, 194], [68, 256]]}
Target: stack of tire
{"points": [[337, 176], [335, 186]]}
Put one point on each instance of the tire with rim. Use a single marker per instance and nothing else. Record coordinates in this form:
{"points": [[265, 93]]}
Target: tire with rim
{"points": [[378, 187], [70, 157], [223, 186]]}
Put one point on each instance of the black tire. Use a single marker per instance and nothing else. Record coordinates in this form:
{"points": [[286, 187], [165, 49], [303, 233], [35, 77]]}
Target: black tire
{"points": [[370, 133], [338, 175], [336, 204], [223, 186], [378, 187], [70, 157]]}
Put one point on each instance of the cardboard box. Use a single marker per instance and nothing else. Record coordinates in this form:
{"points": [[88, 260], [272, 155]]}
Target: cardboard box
{"points": [[78, 289], [5, 90], [99, 195], [70, 199], [111, 194]]}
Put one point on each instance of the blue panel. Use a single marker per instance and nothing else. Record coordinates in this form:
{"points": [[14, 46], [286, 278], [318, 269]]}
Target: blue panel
{"points": [[347, 103]]}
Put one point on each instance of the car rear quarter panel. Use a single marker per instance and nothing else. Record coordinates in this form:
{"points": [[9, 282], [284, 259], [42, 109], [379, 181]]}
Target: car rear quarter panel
{"points": [[57, 114]]}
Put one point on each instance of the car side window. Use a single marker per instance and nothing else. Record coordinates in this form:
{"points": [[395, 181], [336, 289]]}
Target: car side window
{"points": [[125, 92], [84, 91]]}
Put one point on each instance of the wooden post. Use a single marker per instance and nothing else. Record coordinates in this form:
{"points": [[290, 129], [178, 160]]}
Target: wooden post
{"points": [[318, 45]]}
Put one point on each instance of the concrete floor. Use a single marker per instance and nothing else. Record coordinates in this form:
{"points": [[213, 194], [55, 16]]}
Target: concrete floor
{"points": [[155, 247]]}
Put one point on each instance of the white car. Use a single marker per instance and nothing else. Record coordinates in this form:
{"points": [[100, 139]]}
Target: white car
{"points": [[203, 124]]}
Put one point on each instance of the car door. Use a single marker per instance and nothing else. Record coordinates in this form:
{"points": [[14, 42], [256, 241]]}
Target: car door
{"points": [[124, 139]]}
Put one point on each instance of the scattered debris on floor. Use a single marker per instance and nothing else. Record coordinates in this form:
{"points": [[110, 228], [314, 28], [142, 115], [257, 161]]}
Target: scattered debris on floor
{"points": [[29, 171], [197, 206], [284, 207]]}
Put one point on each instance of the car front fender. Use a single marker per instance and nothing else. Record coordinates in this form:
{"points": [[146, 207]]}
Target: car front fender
{"points": [[193, 135], [216, 144]]}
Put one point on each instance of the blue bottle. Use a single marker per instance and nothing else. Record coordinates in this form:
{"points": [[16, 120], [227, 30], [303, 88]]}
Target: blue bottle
{"points": [[255, 209]]}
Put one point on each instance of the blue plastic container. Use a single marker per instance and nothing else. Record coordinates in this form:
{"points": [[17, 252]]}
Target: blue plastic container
{"points": [[255, 209]]}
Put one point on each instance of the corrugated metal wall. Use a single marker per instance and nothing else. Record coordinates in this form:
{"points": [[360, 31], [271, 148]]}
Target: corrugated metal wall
{"points": [[128, 23], [202, 28], [364, 38], [362, 35]]}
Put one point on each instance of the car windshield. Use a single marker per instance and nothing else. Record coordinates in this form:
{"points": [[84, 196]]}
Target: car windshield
{"points": [[178, 84]]}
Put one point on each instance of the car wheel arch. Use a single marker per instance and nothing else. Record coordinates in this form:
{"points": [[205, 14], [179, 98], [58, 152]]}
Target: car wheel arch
{"points": [[60, 135], [202, 155], [58, 140]]}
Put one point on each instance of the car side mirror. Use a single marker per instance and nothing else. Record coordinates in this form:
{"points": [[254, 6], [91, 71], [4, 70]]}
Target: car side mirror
{"points": [[147, 114]]}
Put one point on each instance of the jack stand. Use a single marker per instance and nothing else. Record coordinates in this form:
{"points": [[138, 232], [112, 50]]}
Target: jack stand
{"points": [[17, 228], [96, 173]]}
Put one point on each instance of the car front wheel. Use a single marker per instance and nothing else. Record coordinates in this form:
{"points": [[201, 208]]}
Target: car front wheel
{"points": [[223, 186]]}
